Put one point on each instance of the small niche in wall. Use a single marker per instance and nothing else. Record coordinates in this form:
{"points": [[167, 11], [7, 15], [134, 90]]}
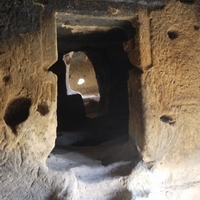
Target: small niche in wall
{"points": [[172, 34], [6, 79], [196, 27], [43, 108], [17, 112]]}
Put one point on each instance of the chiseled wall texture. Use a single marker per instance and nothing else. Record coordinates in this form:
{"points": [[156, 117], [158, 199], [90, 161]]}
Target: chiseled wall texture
{"points": [[28, 90], [27, 101], [164, 96]]}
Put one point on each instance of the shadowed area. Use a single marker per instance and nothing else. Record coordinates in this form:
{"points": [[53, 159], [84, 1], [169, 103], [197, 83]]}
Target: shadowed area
{"points": [[17, 112]]}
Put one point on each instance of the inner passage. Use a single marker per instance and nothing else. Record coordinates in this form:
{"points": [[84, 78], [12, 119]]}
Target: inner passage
{"points": [[92, 70], [81, 79]]}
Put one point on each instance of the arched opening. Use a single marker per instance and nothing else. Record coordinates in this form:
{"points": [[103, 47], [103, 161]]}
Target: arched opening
{"points": [[81, 79]]}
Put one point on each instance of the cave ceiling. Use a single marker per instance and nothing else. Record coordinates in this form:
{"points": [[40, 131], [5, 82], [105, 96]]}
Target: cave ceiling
{"points": [[80, 23]]}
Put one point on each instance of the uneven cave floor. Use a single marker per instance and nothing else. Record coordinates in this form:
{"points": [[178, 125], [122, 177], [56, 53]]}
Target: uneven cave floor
{"points": [[99, 156], [99, 162], [97, 172]]}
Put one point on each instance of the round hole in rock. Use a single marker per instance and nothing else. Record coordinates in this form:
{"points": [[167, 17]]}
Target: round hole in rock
{"points": [[6, 79], [81, 81], [172, 34], [43, 108], [196, 27], [17, 112]]}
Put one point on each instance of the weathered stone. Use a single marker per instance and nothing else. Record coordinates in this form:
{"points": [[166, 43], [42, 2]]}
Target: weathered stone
{"points": [[168, 92], [164, 93], [28, 48]]}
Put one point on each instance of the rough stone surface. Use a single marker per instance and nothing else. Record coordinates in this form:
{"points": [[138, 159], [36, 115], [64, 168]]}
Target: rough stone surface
{"points": [[105, 8], [24, 75], [164, 98], [28, 98]]}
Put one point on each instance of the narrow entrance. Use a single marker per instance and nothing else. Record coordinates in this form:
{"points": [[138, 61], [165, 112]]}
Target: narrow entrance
{"points": [[103, 47]]}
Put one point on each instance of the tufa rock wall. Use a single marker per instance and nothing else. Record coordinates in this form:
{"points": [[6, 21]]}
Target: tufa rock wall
{"points": [[28, 100], [164, 96]]}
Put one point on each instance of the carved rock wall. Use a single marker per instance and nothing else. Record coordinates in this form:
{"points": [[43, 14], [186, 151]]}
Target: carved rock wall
{"points": [[164, 102], [29, 91], [28, 97], [164, 96]]}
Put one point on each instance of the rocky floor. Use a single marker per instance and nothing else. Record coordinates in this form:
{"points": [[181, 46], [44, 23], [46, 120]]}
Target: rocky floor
{"points": [[99, 162], [98, 172], [111, 171], [98, 158]]}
